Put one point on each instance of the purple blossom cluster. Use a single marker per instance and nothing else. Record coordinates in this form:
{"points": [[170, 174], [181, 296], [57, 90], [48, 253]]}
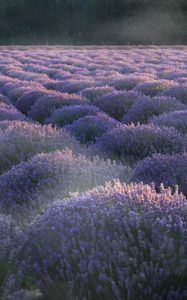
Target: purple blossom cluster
{"points": [[116, 242]]}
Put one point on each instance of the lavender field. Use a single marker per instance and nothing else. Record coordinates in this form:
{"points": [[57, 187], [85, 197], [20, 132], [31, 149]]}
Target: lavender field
{"points": [[93, 173]]}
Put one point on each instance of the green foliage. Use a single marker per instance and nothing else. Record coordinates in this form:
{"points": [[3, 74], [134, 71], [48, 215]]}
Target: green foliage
{"points": [[92, 21]]}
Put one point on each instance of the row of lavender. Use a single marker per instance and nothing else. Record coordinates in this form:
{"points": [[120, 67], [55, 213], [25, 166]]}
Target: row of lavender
{"points": [[71, 120]]}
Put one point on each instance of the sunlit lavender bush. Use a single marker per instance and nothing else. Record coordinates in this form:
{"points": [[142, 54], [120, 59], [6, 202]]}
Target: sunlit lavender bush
{"points": [[133, 143], [58, 173], [117, 242], [171, 170], [22, 140], [176, 119], [87, 129], [146, 107]]}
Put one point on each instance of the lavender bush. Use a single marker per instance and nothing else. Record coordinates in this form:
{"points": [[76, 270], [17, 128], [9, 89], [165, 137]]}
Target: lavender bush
{"points": [[74, 86], [153, 88], [68, 115], [87, 129], [176, 119], [46, 105], [57, 172], [146, 107], [25, 101], [117, 242], [93, 93], [178, 91], [128, 82], [22, 140], [171, 170], [133, 143], [9, 236], [9, 112], [117, 104]]}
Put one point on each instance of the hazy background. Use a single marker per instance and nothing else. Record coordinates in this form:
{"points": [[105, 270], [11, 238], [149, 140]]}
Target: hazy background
{"points": [[93, 22]]}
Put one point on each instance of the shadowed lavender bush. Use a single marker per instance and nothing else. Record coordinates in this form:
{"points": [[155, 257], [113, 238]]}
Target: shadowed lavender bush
{"points": [[68, 115], [10, 85], [132, 142], [178, 91], [153, 88], [16, 93], [56, 173], [22, 140], [25, 102], [47, 104], [171, 170], [87, 129], [176, 119], [146, 107], [118, 103], [116, 242], [93, 93]]}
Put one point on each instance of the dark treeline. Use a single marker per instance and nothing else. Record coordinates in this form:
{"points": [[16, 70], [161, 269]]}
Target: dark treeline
{"points": [[93, 21]]}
